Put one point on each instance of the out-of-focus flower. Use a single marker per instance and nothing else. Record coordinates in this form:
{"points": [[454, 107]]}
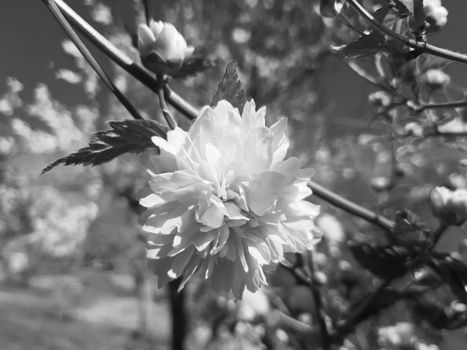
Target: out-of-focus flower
{"points": [[226, 203], [253, 305], [414, 129], [401, 334], [331, 228], [162, 48], [449, 206], [436, 15], [435, 78]]}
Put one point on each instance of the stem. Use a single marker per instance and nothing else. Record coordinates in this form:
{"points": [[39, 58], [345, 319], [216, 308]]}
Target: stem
{"points": [[165, 110], [445, 105], [90, 58], [417, 45], [438, 233], [317, 299], [351, 207], [147, 11], [177, 307], [137, 71], [353, 319]]}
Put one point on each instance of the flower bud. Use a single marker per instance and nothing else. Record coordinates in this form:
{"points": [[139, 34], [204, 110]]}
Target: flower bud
{"points": [[435, 78], [436, 15], [449, 206], [162, 48], [379, 99]]}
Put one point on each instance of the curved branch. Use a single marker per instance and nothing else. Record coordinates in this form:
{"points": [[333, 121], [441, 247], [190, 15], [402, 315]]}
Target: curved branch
{"points": [[90, 58], [417, 45]]}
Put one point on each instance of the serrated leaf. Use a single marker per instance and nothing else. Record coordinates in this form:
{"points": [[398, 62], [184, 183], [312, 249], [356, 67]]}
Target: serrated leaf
{"points": [[230, 88], [382, 261], [128, 136], [192, 66], [365, 45]]}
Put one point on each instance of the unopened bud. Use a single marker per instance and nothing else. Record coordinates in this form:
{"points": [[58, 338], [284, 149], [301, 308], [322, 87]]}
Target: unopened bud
{"points": [[449, 206], [436, 15], [435, 78], [162, 48]]}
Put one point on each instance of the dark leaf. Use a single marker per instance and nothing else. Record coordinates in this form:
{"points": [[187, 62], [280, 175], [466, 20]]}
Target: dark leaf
{"points": [[407, 231], [381, 13], [431, 311], [366, 44], [384, 300], [128, 136], [401, 8], [230, 88], [382, 261], [454, 273], [192, 66]]}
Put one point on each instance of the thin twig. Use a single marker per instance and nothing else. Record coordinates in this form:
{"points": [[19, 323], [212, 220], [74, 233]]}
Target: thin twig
{"points": [[346, 326], [417, 45], [443, 105], [90, 58], [317, 299], [165, 110], [351, 207], [137, 71]]}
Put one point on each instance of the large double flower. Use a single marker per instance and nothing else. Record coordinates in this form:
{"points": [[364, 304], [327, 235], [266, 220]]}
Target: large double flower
{"points": [[225, 203]]}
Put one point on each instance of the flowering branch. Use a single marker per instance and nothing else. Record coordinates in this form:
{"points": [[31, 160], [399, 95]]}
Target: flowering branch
{"points": [[419, 46], [190, 111], [90, 58]]}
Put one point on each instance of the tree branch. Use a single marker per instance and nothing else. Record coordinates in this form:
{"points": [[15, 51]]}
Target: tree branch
{"points": [[318, 301], [417, 45], [346, 326], [351, 207], [90, 58]]}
